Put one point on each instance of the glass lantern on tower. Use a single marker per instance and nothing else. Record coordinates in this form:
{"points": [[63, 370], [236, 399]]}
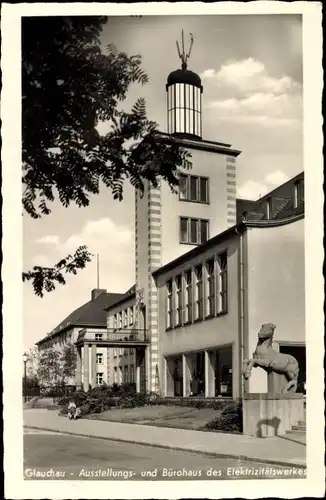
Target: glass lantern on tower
{"points": [[184, 90]]}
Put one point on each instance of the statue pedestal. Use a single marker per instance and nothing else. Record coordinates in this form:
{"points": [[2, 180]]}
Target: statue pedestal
{"points": [[271, 414]]}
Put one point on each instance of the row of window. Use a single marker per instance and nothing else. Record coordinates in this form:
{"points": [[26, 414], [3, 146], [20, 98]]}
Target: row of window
{"points": [[123, 319], [121, 375], [122, 351], [193, 231], [198, 293]]}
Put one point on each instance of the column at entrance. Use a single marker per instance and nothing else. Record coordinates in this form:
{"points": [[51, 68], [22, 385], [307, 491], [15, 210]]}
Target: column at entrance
{"points": [[210, 361], [93, 365], [78, 376], [169, 379], [86, 367]]}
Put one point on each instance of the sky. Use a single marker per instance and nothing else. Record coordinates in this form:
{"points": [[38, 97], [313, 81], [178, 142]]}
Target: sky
{"points": [[251, 70]]}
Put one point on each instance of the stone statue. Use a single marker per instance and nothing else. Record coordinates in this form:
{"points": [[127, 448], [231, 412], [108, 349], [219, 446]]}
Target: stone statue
{"points": [[272, 361]]}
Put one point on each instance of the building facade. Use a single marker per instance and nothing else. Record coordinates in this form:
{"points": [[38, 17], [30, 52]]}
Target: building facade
{"points": [[210, 269]]}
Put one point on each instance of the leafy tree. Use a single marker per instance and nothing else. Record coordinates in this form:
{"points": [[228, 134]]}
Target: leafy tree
{"points": [[69, 85], [49, 366]]}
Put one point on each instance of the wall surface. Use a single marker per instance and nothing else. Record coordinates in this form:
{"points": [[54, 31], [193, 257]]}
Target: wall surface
{"points": [[275, 287], [220, 211]]}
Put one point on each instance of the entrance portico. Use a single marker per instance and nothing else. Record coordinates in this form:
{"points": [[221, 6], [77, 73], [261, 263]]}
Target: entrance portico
{"points": [[88, 341]]}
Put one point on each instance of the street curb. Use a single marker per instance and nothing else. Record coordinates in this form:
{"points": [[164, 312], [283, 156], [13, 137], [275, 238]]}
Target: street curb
{"points": [[176, 448]]}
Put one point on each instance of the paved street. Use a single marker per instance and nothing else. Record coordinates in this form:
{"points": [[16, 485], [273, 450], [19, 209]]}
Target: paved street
{"points": [[76, 457]]}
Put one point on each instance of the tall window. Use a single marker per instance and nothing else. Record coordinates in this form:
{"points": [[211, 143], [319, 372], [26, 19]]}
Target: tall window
{"points": [[269, 208], [132, 374], [169, 292], [193, 188], [120, 319], [115, 322], [188, 297], [199, 292], [99, 378], [194, 231], [178, 286], [125, 317], [99, 359], [210, 268], [222, 283]]}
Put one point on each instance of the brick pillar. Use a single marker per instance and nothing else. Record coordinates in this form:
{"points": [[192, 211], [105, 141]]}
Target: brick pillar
{"points": [[209, 375], [93, 365], [186, 376], [86, 367]]}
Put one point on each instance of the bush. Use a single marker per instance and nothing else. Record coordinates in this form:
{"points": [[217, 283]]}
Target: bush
{"points": [[230, 420]]}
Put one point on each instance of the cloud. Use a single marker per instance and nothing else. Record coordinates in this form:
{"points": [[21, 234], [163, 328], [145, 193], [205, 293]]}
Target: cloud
{"points": [[276, 178], [250, 76], [246, 94], [252, 190]]}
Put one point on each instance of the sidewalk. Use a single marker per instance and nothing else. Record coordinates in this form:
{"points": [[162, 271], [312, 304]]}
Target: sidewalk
{"points": [[276, 450]]}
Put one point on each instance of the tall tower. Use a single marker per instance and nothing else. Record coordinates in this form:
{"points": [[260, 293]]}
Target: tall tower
{"points": [[168, 225]]}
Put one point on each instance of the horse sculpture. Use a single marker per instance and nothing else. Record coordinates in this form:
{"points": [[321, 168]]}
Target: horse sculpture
{"points": [[272, 361]]}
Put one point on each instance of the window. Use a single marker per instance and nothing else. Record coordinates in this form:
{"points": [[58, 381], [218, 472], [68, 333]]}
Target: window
{"points": [[183, 230], [125, 323], [188, 297], [183, 187], [210, 268], [120, 319], [120, 374], [99, 359], [131, 316], [115, 322], [178, 285], [222, 283], [169, 323], [193, 188], [98, 336], [194, 231], [199, 292], [99, 378], [132, 374], [115, 375]]}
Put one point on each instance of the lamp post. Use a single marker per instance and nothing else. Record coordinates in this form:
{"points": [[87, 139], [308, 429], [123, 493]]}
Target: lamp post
{"points": [[25, 376]]}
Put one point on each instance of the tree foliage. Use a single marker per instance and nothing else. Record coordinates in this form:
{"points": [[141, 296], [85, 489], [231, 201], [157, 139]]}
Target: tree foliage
{"points": [[70, 85]]}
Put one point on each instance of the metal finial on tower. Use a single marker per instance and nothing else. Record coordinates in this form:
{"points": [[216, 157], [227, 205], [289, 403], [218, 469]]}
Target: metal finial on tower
{"points": [[183, 56]]}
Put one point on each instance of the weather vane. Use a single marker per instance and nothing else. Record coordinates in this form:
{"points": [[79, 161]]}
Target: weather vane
{"points": [[183, 56]]}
